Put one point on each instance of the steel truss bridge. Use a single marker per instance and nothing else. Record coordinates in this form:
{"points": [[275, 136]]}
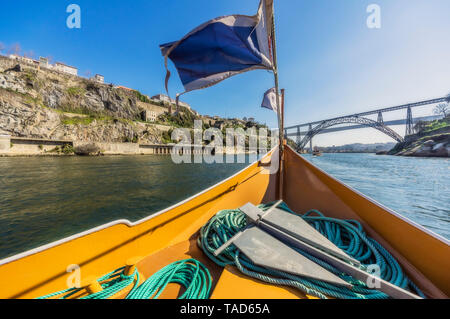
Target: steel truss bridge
{"points": [[359, 120]]}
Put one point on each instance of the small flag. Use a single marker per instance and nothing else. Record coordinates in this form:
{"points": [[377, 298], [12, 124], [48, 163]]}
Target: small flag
{"points": [[270, 100], [221, 48]]}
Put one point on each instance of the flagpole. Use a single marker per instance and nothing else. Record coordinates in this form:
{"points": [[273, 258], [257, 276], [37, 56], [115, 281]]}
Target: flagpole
{"points": [[279, 112], [275, 73], [281, 179]]}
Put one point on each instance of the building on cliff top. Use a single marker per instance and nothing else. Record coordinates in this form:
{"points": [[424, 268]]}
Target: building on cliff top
{"points": [[165, 99], [64, 68], [22, 59], [45, 63], [98, 78]]}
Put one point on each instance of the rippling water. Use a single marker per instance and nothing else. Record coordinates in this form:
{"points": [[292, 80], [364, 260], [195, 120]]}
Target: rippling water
{"points": [[46, 199], [417, 188]]}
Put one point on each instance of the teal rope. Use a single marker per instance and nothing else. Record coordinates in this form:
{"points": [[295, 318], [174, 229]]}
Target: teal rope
{"points": [[111, 283], [348, 235], [190, 273], [354, 241]]}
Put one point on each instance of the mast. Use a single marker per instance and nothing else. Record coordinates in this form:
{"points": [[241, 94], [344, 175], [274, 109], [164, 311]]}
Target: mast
{"points": [[280, 113], [275, 73]]}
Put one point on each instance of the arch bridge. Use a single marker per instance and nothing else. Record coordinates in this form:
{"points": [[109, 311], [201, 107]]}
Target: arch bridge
{"points": [[379, 125], [360, 120]]}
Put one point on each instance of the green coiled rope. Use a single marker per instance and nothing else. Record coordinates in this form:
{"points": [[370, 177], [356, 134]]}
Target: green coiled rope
{"points": [[189, 273], [111, 283], [348, 235]]}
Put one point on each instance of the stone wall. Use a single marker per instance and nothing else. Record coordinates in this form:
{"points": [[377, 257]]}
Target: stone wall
{"points": [[17, 146], [152, 107], [117, 148], [5, 143]]}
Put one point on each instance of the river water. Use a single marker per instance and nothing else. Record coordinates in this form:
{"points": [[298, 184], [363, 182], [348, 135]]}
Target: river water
{"points": [[417, 188], [46, 199]]}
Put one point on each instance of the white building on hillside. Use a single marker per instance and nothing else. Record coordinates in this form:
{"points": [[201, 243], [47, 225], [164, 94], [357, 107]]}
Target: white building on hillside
{"points": [[149, 116], [165, 99], [64, 68], [99, 78], [58, 66], [43, 62], [22, 59]]}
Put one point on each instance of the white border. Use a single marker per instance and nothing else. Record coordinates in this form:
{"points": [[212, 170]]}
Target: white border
{"points": [[122, 221], [389, 210]]}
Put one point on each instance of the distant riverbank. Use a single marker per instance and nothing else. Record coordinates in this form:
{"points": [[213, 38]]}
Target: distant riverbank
{"points": [[29, 147]]}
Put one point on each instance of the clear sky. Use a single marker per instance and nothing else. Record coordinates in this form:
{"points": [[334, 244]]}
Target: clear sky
{"points": [[330, 62]]}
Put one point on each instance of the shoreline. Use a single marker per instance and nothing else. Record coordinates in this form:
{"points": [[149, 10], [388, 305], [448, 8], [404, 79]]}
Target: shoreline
{"points": [[18, 155], [4, 155]]}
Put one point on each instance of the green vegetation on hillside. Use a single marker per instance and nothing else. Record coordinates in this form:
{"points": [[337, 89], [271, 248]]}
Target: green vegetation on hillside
{"points": [[76, 91], [77, 120], [167, 137], [425, 127], [141, 97], [66, 149], [182, 119]]}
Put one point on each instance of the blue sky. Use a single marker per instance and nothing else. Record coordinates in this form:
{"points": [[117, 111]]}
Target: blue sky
{"points": [[330, 63]]}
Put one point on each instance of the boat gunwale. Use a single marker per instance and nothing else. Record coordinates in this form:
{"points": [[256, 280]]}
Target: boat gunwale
{"points": [[126, 222], [373, 201]]}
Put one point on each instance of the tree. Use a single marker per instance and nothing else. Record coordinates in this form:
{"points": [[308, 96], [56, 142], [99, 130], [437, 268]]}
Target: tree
{"points": [[442, 109], [29, 54], [2, 47], [420, 125], [15, 49]]}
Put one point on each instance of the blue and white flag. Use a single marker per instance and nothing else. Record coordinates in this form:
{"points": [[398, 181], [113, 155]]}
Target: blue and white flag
{"points": [[221, 48], [270, 100]]}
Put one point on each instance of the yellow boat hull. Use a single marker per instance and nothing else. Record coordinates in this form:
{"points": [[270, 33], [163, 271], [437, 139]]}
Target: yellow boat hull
{"points": [[170, 235]]}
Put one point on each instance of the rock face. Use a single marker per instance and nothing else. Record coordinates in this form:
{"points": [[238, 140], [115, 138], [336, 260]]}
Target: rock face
{"points": [[46, 104], [41, 103], [433, 144]]}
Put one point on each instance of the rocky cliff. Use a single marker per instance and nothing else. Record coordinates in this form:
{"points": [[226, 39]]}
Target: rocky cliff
{"points": [[42, 103], [46, 104], [433, 140]]}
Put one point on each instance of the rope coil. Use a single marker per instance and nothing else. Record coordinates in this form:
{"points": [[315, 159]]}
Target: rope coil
{"points": [[346, 234], [111, 284], [189, 273]]}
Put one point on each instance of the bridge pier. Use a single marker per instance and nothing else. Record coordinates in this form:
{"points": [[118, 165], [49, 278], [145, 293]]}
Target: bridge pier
{"points": [[380, 118], [310, 141], [409, 122]]}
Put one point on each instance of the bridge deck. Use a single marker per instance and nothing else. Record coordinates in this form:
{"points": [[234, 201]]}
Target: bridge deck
{"points": [[354, 127]]}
